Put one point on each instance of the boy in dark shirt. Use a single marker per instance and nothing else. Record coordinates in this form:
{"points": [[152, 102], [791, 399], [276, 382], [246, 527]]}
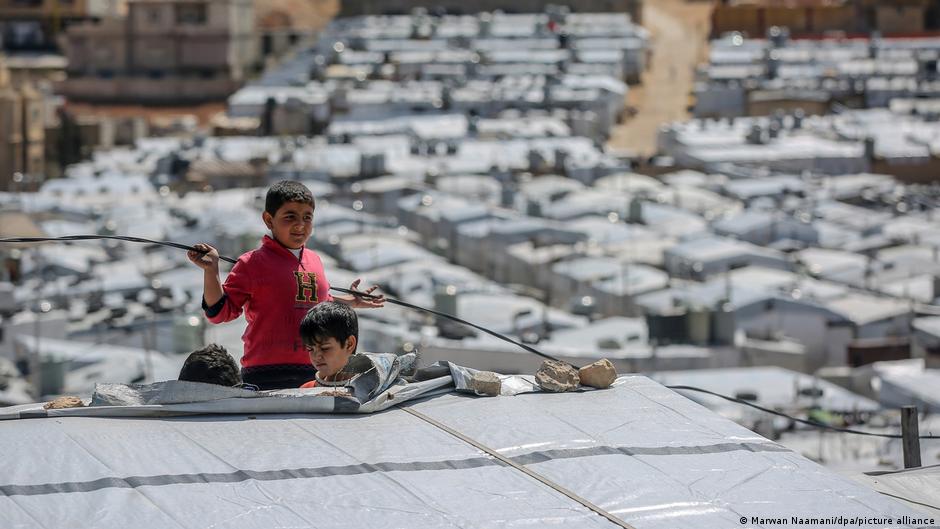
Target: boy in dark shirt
{"points": [[330, 332]]}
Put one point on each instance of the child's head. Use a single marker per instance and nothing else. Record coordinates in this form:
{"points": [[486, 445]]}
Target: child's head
{"points": [[213, 365], [330, 332], [288, 213]]}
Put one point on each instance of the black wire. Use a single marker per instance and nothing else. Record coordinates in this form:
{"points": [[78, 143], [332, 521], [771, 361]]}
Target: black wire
{"points": [[814, 424], [70, 238], [394, 301], [451, 317]]}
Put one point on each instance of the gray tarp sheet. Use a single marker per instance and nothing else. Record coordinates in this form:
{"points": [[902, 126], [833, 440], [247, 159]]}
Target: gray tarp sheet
{"points": [[917, 487], [638, 450]]}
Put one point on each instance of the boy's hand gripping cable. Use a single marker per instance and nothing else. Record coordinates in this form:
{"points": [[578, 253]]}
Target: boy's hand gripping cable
{"points": [[528, 348]]}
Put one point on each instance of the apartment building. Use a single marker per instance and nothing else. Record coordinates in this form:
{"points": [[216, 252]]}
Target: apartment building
{"points": [[162, 52], [816, 17], [35, 24], [22, 134]]}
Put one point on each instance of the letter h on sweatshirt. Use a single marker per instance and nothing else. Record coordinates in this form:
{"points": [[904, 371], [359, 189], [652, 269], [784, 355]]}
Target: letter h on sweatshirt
{"points": [[306, 287]]}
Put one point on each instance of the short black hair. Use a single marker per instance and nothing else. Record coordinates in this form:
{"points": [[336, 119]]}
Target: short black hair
{"points": [[287, 191], [329, 319], [213, 365]]}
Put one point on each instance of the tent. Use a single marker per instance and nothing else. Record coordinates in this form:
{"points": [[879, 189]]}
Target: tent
{"points": [[634, 455]]}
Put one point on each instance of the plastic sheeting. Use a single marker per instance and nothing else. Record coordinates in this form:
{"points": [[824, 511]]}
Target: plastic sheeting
{"points": [[917, 487], [638, 450]]}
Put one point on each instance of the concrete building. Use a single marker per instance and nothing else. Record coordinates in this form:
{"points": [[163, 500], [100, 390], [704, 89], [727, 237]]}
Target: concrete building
{"points": [[22, 135], [163, 51], [35, 24], [816, 17]]}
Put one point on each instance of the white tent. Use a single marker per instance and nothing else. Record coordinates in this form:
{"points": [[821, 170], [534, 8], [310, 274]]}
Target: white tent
{"points": [[637, 452]]}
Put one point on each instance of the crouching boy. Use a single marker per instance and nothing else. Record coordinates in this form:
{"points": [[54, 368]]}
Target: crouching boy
{"points": [[330, 333]]}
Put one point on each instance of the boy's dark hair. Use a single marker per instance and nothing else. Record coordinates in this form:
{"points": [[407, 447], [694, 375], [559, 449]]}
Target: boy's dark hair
{"points": [[213, 365], [329, 320], [287, 191]]}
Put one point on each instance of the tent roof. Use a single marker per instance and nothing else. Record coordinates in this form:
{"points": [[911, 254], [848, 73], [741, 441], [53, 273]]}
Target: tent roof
{"points": [[919, 486], [638, 450]]}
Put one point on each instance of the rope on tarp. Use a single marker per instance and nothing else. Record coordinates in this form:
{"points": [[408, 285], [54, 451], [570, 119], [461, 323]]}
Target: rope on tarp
{"points": [[521, 468]]}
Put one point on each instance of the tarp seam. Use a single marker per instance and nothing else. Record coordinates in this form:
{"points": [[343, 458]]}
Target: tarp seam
{"points": [[132, 482], [509, 462]]}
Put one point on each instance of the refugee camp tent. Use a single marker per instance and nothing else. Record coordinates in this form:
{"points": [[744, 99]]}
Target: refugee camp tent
{"points": [[634, 455]]}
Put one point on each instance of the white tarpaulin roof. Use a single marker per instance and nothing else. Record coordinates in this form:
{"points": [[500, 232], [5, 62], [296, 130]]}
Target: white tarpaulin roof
{"points": [[918, 487], [639, 451]]}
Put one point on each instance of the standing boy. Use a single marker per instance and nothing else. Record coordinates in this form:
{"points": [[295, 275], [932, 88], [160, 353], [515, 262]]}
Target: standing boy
{"points": [[275, 284]]}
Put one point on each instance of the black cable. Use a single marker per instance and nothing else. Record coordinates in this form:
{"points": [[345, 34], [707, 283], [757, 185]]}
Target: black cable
{"points": [[451, 317], [393, 301], [814, 424], [70, 238]]}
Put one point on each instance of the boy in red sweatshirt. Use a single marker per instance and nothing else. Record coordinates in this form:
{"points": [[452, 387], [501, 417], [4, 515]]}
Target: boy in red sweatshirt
{"points": [[275, 285]]}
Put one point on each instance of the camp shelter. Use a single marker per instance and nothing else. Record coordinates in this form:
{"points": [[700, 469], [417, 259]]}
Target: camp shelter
{"points": [[644, 455]]}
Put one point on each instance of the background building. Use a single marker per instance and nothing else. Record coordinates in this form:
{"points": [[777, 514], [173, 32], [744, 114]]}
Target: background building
{"points": [[755, 17], [169, 52], [35, 24], [22, 135]]}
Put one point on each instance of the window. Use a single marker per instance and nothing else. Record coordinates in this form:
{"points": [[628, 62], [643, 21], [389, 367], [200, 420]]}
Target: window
{"points": [[153, 15], [191, 14]]}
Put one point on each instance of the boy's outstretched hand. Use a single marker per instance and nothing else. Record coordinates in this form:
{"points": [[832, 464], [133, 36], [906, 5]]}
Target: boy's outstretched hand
{"points": [[206, 258], [361, 302]]}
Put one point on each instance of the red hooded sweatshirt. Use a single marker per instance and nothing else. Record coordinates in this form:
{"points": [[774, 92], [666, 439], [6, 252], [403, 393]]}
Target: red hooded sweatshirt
{"points": [[275, 289]]}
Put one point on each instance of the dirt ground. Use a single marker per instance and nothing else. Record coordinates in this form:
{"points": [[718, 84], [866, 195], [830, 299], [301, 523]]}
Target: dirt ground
{"points": [[294, 14], [679, 31], [203, 113]]}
